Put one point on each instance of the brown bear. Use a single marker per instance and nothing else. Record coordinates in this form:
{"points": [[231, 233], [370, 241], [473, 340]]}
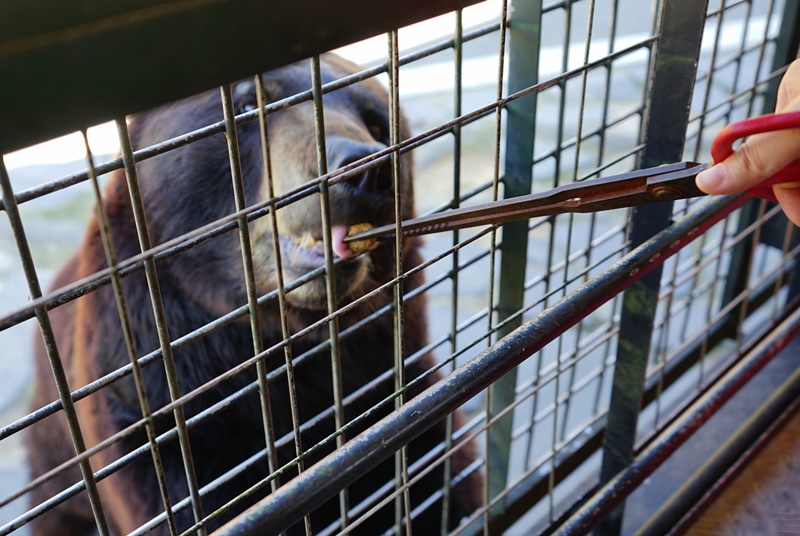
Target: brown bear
{"points": [[189, 187]]}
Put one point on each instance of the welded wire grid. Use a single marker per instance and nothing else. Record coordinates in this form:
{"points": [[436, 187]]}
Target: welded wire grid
{"points": [[701, 284], [591, 83]]}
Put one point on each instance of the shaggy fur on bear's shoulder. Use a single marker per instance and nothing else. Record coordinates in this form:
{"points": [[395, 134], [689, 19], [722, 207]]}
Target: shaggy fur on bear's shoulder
{"points": [[182, 190]]}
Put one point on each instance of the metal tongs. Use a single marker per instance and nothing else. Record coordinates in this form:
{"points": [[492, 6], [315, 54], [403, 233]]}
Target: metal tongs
{"points": [[663, 183]]}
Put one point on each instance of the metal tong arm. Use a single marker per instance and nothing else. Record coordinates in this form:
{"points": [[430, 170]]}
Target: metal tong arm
{"points": [[662, 183]]}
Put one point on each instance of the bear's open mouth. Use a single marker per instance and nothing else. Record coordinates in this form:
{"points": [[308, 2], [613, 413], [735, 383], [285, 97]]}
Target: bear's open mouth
{"points": [[308, 250]]}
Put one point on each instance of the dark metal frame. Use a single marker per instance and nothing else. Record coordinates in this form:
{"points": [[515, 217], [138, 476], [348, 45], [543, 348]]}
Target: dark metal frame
{"points": [[675, 66], [80, 64]]}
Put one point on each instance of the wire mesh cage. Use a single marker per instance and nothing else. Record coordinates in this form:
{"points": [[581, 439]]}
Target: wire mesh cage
{"points": [[216, 358]]}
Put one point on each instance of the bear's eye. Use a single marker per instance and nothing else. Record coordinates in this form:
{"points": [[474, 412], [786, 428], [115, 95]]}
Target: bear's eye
{"points": [[377, 127], [244, 96], [375, 131]]}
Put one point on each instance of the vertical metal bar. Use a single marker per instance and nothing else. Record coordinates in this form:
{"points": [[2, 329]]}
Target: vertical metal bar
{"points": [[127, 335], [228, 112], [487, 485], [330, 274], [661, 347], [458, 58], [524, 27], [709, 83], [674, 71], [261, 366], [558, 150], [740, 54], [718, 276], [403, 502], [160, 317], [579, 328], [568, 246], [59, 375], [612, 32], [232, 138], [788, 239], [287, 350], [786, 46]]}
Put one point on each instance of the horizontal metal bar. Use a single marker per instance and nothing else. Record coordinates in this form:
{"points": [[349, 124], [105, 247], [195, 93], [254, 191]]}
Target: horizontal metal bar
{"points": [[79, 64], [298, 497], [247, 117]]}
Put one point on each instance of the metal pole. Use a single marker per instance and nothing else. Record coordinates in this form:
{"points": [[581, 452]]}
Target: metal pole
{"points": [[524, 33], [674, 70]]}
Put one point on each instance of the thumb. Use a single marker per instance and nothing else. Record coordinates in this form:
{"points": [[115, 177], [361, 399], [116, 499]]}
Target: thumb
{"points": [[760, 157]]}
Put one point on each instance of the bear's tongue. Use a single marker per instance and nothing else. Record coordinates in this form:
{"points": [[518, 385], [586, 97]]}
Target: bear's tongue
{"points": [[338, 232]]}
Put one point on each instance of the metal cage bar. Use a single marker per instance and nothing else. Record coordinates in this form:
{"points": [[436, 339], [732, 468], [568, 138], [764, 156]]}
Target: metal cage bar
{"points": [[330, 274], [673, 80], [130, 343], [523, 46], [159, 317]]}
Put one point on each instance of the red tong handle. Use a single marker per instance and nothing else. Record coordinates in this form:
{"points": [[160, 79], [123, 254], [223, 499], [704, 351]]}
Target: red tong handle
{"points": [[722, 147]]}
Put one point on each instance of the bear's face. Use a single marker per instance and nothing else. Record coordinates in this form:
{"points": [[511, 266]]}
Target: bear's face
{"points": [[356, 126], [356, 121]]}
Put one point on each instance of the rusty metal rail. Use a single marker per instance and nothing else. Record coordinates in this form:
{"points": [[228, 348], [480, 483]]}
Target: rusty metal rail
{"points": [[300, 496]]}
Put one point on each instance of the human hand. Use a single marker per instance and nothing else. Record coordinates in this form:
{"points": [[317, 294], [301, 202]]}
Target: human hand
{"points": [[762, 155]]}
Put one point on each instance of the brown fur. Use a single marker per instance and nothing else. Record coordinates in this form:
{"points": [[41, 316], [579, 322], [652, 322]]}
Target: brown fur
{"points": [[182, 190]]}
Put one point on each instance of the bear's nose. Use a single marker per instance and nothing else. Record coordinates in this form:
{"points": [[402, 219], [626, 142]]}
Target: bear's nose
{"points": [[375, 180]]}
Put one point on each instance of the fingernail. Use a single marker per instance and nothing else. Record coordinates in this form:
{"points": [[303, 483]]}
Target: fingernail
{"points": [[787, 185], [711, 178]]}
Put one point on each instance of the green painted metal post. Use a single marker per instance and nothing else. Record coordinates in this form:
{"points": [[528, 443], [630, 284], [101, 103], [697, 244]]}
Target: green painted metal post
{"points": [[674, 71], [524, 30]]}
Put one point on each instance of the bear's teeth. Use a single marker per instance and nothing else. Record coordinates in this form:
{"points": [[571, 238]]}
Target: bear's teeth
{"points": [[307, 241]]}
